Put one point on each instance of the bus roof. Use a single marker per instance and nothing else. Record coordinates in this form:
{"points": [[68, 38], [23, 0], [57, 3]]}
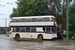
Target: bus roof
{"points": [[33, 17]]}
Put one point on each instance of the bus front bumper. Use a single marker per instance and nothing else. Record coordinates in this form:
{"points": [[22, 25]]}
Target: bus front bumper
{"points": [[54, 38]]}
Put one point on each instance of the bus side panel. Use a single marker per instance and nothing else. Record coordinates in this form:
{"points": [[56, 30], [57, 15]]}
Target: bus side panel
{"points": [[12, 34], [22, 35], [34, 35], [49, 36], [32, 24]]}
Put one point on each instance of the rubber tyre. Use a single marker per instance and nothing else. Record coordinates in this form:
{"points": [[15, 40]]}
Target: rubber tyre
{"points": [[40, 37], [17, 36]]}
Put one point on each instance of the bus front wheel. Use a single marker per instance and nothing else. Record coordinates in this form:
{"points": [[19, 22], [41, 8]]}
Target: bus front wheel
{"points": [[17, 36], [40, 37]]}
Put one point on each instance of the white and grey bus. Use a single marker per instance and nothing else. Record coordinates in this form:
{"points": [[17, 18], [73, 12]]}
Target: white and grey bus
{"points": [[41, 27]]}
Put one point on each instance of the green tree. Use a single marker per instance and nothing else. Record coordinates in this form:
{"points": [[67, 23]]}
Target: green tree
{"points": [[44, 7], [56, 7], [15, 13], [71, 17], [31, 8]]}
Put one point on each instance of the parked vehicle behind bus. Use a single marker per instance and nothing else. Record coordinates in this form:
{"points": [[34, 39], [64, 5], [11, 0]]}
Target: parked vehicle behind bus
{"points": [[59, 33], [41, 27]]}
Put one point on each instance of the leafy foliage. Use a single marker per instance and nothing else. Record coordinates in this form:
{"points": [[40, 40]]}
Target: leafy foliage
{"points": [[31, 8], [46, 7], [26, 39], [15, 13]]}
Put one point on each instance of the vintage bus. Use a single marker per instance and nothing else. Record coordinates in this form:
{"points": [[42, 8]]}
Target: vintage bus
{"points": [[41, 27]]}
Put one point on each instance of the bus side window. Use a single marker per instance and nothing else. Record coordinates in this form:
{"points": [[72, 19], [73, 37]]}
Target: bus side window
{"points": [[27, 29], [47, 29], [28, 20], [33, 29], [39, 19], [13, 20], [54, 29], [44, 29], [33, 19], [46, 19], [22, 29], [17, 20], [22, 20], [53, 19], [16, 29]]}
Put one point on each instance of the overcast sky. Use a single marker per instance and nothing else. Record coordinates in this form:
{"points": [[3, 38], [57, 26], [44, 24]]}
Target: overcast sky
{"points": [[6, 10]]}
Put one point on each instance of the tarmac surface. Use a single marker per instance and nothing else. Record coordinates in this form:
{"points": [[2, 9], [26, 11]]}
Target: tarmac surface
{"points": [[7, 43]]}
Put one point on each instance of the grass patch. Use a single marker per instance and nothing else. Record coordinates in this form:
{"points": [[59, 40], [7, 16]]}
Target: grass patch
{"points": [[26, 39], [70, 37]]}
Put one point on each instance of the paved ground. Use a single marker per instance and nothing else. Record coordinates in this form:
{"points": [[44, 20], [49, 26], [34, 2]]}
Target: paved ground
{"points": [[7, 43]]}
